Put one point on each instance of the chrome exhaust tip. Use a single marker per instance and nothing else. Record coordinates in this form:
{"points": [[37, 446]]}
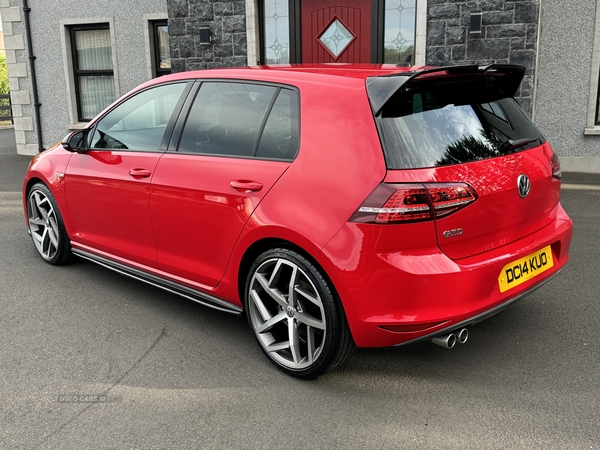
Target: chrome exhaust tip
{"points": [[447, 341], [462, 336]]}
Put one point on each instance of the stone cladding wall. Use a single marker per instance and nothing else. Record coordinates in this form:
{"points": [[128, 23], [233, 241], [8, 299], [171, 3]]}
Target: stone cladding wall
{"points": [[508, 35], [227, 23]]}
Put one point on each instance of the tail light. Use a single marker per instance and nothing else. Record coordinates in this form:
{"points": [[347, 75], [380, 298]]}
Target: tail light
{"points": [[400, 203], [555, 163]]}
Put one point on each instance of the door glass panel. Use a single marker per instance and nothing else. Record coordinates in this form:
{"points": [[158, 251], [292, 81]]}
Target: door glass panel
{"points": [[139, 122], [277, 31], [399, 34], [225, 119]]}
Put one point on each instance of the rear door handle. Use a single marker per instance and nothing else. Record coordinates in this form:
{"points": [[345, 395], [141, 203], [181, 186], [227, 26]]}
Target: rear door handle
{"points": [[246, 186], [140, 173]]}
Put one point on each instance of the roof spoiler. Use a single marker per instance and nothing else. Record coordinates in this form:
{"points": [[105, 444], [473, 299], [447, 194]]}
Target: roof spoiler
{"points": [[381, 89]]}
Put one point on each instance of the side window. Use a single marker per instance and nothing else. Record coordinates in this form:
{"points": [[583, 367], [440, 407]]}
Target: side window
{"points": [[139, 122], [226, 118], [280, 137]]}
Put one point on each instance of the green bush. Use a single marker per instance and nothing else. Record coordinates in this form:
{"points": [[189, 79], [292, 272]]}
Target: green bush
{"points": [[3, 85]]}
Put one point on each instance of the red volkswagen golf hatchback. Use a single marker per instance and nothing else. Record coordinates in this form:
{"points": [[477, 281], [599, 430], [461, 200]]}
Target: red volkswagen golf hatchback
{"points": [[337, 206]]}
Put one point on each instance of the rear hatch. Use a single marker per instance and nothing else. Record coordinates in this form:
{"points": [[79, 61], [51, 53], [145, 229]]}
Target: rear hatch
{"points": [[457, 130]]}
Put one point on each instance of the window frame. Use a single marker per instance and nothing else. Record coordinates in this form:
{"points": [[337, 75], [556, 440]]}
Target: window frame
{"points": [[157, 70], [67, 54], [77, 72], [593, 120]]}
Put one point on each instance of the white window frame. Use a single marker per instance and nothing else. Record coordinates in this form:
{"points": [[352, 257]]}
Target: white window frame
{"points": [[591, 127], [68, 62]]}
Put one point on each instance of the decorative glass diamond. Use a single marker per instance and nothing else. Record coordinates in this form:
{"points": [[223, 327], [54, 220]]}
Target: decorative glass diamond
{"points": [[336, 38]]}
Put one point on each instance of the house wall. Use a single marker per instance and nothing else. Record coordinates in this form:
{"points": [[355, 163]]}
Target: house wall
{"points": [[567, 80], [508, 36], [55, 91], [227, 23]]}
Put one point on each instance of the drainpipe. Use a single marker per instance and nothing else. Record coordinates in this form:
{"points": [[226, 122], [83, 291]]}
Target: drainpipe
{"points": [[36, 102]]}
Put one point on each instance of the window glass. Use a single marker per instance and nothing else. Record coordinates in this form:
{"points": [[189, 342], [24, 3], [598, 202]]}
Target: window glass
{"points": [[139, 122], [419, 130], [225, 119], [280, 136], [399, 33], [93, 69], [277, 31]]}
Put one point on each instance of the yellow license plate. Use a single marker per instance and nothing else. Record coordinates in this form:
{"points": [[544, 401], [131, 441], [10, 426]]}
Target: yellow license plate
{"points": [[524, 269]]}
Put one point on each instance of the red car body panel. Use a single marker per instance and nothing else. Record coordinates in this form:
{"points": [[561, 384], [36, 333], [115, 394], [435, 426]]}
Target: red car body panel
{"points": [[116, 203], [197, 216], [186, 223]]}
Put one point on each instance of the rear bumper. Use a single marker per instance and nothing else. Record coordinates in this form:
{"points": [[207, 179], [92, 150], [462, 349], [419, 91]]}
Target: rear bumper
{"points": [[410, 294]]}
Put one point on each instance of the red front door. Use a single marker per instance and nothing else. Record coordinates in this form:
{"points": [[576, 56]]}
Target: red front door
{"points": [[336, 31]]}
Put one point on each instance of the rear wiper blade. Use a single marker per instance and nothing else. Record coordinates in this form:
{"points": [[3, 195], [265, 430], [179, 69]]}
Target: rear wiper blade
{"points": [[511, 145]]}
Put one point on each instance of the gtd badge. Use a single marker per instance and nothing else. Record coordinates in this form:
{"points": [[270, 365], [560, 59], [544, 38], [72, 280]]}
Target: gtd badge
{"points": [[523, 185]]}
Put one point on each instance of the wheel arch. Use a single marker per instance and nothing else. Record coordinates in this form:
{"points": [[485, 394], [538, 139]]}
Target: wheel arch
{"points": [[262, 245]]}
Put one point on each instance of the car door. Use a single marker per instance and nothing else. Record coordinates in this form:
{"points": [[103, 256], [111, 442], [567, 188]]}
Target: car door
{"points": [[108, 186], [238, 139]]}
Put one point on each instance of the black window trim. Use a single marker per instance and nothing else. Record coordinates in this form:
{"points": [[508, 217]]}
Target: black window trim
{"points": [[78, 72], [177, 133], [158, 72]]}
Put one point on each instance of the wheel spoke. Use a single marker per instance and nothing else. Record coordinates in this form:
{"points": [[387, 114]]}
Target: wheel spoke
{"points": [[294, 342], [292, 285], [53, 237], [262, 309], [305, 294], [39, 201], [273, 292], [37, 221], [38, 237], [310, 344], [309, 320], [271, 322], [45, 243], [278, 346], [275, 274]]}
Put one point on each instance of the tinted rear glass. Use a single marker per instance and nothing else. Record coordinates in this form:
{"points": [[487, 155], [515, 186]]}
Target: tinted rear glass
{"points": [[419, 128]]}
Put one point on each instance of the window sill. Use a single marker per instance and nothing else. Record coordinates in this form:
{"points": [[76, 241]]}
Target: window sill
{"points": [[593, 131], [81, 125]]}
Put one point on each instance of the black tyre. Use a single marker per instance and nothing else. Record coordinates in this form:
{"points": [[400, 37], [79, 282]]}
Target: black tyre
{"points": [[46, 226], [296, 317]]}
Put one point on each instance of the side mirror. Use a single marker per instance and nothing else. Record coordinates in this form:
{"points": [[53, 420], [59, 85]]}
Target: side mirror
{"points": [[75, 141]]}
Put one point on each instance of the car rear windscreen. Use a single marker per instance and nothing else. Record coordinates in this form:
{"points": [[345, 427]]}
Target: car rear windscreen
{"points": [[425, 125]]}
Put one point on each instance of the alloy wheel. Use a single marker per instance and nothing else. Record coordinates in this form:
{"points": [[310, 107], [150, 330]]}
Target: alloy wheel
{"points": [[43, 224], [287, 314]]}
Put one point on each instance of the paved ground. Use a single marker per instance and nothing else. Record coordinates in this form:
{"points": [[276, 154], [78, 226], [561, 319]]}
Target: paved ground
{"points": [[183, 376], [12, 166]]}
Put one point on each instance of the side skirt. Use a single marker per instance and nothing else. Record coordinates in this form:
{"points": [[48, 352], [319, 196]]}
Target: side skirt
{"points": [[167, 285]]}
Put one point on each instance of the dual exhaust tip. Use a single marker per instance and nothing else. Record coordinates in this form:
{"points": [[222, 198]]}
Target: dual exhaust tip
{"points": [[450, 340]]}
